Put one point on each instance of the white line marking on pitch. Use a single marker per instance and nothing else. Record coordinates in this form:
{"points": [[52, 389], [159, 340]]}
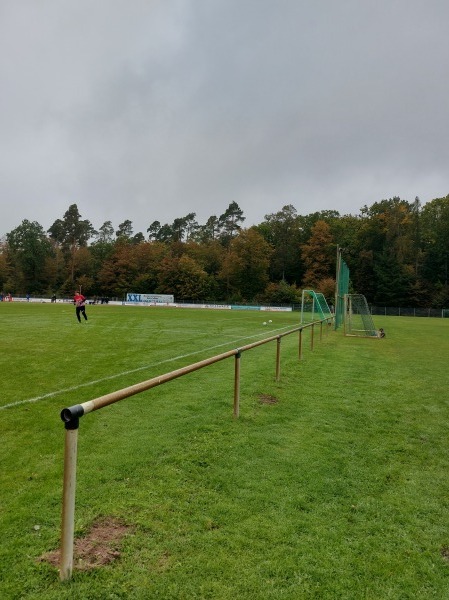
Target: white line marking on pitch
{"points": [[168, 360]]}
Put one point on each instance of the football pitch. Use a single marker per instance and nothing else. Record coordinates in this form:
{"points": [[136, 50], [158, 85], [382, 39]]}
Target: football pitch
{"points": [[331, 484], [49, 353]]}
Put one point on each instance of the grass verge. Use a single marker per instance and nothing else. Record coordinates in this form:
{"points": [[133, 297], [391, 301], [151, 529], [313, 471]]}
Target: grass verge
{"points": [[335, 488]]}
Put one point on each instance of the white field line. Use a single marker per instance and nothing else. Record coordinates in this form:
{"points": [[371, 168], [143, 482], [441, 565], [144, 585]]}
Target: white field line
{"points": [[168, 360]]}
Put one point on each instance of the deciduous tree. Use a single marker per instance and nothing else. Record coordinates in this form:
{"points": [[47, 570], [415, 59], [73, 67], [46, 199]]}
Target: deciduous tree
{"points": [[435, 240], [185, 279], [282, 230], [318, 255], [28, 249], [245, 266]]}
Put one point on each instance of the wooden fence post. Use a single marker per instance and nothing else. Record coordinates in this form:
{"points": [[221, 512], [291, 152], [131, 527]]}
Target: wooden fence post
{"points": [[68, 502], [237, 384], [278, 359]]}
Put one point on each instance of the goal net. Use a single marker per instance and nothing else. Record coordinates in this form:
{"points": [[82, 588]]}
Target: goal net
{"points": [[358, 320], [314, 307]]}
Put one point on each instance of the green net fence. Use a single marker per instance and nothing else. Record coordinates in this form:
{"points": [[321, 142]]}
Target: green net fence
{"points": [[342, 289]]}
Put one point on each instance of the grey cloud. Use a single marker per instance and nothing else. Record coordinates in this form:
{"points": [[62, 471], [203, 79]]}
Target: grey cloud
{"points": [[151, 110]]}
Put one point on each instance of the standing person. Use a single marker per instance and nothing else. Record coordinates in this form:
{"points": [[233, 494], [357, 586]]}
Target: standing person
{"points": [[80, 306]]}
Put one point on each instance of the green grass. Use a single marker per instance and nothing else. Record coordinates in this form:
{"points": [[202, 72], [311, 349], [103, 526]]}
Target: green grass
{"points": [[339, 490]]}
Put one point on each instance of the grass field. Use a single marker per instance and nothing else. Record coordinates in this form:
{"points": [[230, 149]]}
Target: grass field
{"points": [[335, 489]]}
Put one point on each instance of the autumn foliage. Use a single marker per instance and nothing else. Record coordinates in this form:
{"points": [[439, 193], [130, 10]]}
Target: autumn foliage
{"points": [[397, 252]]}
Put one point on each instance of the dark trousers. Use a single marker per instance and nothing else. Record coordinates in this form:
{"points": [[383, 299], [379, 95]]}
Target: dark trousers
{"points": [[81, 309]]}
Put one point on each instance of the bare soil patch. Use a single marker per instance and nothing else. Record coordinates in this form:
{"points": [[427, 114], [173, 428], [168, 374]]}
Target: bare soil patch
{"points": [[99, 547], [267, 399]]}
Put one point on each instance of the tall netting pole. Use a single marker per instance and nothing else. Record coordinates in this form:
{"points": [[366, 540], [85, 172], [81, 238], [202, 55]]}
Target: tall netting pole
{"points": [[337, 281], [341, 288]]}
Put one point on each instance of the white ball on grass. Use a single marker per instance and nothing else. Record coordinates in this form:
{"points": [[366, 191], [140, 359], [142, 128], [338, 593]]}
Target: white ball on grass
{"points": [[264, 323]]}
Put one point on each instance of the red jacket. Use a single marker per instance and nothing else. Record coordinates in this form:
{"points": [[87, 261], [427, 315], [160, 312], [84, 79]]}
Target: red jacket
{"points": [[79, 300]]}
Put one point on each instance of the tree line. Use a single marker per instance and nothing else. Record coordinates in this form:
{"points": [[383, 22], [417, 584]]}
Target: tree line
{"points": [[397, 252]]}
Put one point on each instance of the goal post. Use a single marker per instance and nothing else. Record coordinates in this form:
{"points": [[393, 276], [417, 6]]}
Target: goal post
{"points": [[314, 307], [358, 320]]}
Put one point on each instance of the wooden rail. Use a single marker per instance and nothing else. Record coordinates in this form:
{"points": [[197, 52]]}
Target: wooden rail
{"points": [[71, 416]]}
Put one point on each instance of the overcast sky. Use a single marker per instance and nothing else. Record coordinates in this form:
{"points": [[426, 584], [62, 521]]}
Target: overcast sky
{"points": [[152, 109]]}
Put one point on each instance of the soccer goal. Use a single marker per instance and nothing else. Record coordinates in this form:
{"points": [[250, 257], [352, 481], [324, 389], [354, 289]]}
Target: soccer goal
{"points": [[314, 307], [358, 319]]}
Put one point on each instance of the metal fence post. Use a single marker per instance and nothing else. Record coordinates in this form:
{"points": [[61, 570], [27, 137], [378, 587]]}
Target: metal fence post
{"points": [[311, 336]]}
